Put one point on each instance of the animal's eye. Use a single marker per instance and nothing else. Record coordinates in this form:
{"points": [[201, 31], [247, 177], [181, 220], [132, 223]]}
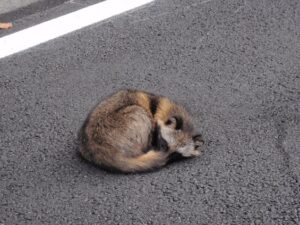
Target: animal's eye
{"points": [[175, 122], [169, 122]]}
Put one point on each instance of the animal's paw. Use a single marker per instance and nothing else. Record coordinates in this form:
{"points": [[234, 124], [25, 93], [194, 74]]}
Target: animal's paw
{"points": [[198, 142], [195, 153]]}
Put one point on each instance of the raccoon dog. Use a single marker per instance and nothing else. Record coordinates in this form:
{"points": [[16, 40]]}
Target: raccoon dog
{"points": [[135, 131]]}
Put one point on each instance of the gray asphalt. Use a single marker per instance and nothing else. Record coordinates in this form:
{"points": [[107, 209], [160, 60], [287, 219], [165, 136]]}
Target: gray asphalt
{"points": [[11, 5], [233, 64], [11, 10]]}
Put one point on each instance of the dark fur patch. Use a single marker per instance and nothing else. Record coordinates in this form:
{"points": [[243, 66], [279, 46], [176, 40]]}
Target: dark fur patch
{"points": [[174, 157], [154, 101], [158, 142], [179, 122]]}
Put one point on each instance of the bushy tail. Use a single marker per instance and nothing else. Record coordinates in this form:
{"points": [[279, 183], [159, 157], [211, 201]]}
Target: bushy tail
{"points": [[148, 161]]}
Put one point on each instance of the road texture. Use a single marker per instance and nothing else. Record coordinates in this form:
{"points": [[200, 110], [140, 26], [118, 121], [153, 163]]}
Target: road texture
{"points": [[234, 64], [11, 5], [15, 9]]}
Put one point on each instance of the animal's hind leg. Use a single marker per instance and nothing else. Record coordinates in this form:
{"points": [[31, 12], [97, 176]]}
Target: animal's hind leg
{"points": [[135, 134]]}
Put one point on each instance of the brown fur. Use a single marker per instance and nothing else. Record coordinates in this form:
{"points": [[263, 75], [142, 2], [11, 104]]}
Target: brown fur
{"points": [[119, 132]]}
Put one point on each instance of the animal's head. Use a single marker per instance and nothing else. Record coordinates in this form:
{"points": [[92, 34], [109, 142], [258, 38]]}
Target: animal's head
{"points": [[177, 129]]}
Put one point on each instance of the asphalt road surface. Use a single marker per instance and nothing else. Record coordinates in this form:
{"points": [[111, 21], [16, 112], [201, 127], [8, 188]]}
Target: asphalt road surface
{"points": [[233, 64]]}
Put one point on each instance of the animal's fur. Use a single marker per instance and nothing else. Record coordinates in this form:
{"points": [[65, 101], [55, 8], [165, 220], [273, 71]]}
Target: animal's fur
{"points": [[133, 131]]}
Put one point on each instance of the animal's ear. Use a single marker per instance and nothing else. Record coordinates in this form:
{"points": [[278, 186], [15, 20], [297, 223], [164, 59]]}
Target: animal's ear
{"points": [[174, 122]]}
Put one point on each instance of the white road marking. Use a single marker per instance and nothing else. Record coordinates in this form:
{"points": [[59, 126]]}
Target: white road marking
{"points": [[57, 27]]}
